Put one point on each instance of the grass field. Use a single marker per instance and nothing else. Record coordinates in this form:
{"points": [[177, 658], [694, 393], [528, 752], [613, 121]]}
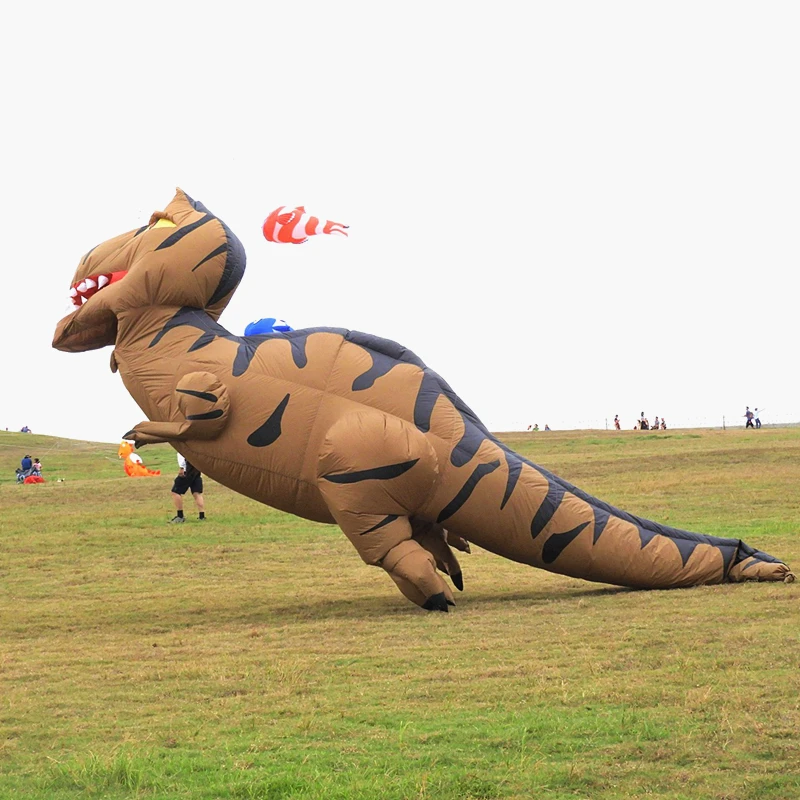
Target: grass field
{"points": [[255, 656]]}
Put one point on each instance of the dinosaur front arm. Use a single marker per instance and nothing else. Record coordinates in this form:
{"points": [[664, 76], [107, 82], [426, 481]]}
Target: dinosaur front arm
{"points": [[159, 432], [204, 403]]}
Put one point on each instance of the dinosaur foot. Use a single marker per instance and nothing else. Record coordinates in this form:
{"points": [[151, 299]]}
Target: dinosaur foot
{"points": [[413, 569]]}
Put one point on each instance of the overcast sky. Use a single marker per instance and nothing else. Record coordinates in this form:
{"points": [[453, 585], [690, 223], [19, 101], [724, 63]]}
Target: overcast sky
{"points": [[568, 210]]}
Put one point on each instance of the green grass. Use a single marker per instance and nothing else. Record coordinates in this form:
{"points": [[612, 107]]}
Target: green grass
{"points": [[256, 656]]}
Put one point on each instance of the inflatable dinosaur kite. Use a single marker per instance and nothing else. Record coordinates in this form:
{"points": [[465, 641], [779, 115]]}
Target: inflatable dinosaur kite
{"points": [[340, 426], [134, 466]]}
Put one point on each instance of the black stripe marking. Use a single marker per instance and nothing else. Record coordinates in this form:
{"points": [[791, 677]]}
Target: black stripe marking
{"points": [[193, 317], [549, 506], [729, 553], [235, 261], [373, 474], [742, 551], [385, 521], [514, 470], [219, 251], [385, 354], [645, 536], [202, 341], [271, 429], [174, 238], [685, 547], [601, 519], [467, 489], [215, 414], [555, 544], [212, 398]]}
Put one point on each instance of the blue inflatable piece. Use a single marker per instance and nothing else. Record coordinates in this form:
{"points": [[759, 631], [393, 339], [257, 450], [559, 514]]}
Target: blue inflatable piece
{"points": [[267, 325]]}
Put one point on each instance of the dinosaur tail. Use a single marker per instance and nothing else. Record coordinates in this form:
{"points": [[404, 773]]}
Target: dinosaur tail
{"points": [[547, 522]]}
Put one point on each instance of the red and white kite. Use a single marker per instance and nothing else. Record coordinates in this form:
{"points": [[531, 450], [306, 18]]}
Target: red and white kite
{"points": [[294, 226]]}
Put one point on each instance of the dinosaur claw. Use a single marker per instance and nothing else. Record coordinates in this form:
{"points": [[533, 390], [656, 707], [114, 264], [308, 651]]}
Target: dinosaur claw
{"points": [[132, 435], [436, 602], [458, 581]]}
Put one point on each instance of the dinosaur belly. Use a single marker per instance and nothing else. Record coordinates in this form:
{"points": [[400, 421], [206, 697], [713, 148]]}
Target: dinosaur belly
{"points": [[257, 481]]}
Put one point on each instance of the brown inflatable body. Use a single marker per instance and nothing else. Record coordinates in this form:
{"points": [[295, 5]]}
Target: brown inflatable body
{"points": [[340, 426]]}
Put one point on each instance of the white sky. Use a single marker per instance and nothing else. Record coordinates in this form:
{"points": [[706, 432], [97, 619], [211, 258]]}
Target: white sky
{"points": [[568, 210]]}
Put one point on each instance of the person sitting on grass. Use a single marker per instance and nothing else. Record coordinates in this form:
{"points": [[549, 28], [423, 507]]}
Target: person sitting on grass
{"points": [[24, 469]]}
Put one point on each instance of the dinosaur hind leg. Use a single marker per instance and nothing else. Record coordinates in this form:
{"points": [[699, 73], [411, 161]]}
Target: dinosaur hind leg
{"points": [[374, 472]]}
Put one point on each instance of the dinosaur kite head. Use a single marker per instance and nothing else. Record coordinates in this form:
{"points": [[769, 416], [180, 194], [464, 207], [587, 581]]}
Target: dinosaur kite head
{"points": [[184, 257], [125, 449]]}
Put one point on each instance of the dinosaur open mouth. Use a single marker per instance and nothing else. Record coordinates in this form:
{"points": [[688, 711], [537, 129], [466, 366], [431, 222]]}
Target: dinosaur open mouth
{"points": [[88, 287]]}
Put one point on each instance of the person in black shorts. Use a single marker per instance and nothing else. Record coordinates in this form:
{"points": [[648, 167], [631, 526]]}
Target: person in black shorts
{"points": [[187, 479]]}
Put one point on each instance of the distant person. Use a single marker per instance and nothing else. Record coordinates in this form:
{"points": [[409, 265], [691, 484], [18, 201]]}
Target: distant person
{"points": [[546, 427], [663, 424], [24, 469], [24, 429], [187, 479], [748, 415], [616, 422], [36, 467], [757, 417], [656, 423], [536, 426]]}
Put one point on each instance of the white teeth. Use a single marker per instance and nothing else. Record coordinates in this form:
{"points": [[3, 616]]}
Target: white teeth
{"points": [[90, 284], [73, 292], [84, 300], [81, 287], [102, 281]]}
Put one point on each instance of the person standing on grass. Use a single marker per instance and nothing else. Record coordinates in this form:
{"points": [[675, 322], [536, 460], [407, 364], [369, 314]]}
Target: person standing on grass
{"points": [[187, 479], [748, 415], [757, 418]]}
